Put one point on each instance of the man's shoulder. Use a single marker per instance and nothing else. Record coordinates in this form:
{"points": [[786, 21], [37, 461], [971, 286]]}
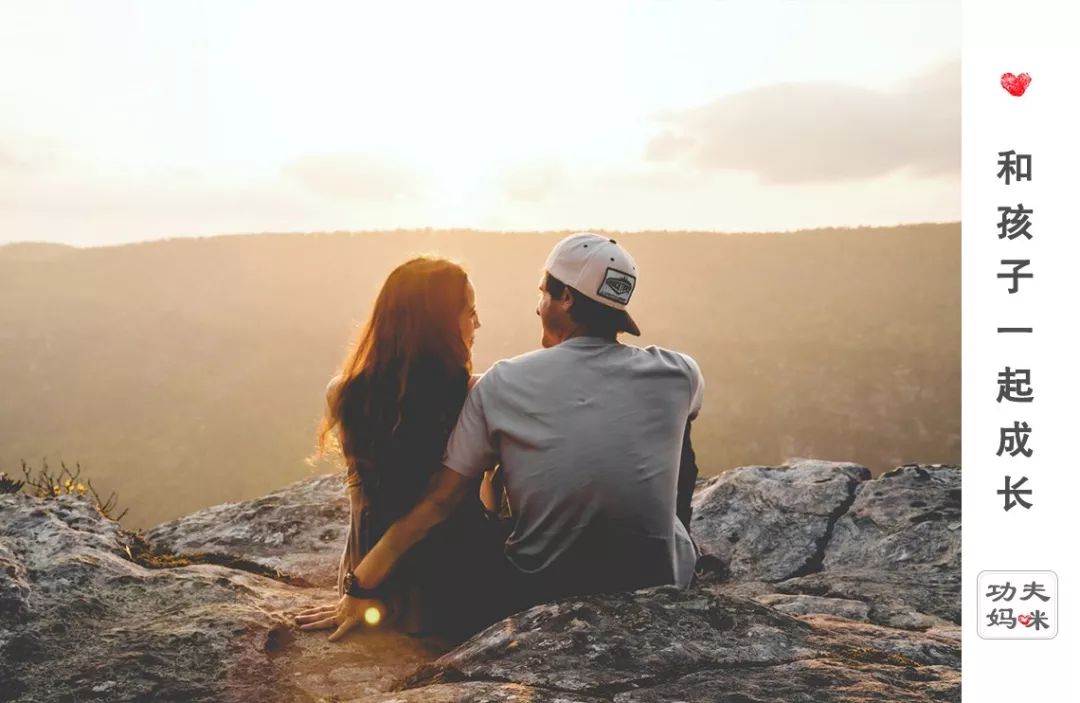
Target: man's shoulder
{"points": [[537, 361], [526, 362], [513, 366], [668, 357]]}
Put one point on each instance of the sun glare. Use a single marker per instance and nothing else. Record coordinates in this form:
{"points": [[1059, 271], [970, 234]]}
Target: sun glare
{"points": [[469, 114]]}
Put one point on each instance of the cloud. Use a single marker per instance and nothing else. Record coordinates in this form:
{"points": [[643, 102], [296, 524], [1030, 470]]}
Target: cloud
{"points": [[353, 177], [806, 132]]}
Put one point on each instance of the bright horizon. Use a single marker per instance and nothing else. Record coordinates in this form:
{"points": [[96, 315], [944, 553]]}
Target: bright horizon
{"points": [[125, 122]]}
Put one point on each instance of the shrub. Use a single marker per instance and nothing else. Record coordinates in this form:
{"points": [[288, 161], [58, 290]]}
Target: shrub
{"points": [[9, 485], [44, 483]]}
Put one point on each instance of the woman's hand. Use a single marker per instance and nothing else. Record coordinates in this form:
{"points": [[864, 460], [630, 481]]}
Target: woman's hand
{"points": [[347, 614]]}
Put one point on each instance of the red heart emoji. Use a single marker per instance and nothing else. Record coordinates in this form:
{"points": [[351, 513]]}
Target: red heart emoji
{"points": [[1016, 85], [1025, 620]]}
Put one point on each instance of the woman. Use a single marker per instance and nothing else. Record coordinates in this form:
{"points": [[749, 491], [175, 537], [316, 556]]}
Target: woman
{"points": [[392, 408]]}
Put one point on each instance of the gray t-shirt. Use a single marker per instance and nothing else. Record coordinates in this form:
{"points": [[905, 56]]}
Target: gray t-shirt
{"points": [[589, 431]]}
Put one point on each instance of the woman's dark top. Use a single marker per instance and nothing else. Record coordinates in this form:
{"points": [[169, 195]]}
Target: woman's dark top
{"points": [[393, 460]]}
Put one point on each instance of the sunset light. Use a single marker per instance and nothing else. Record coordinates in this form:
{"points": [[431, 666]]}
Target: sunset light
{"points": [[150, 120]]}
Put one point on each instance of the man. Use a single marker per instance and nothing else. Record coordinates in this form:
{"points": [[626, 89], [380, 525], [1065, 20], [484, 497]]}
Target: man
{"points": [[589, 434]]}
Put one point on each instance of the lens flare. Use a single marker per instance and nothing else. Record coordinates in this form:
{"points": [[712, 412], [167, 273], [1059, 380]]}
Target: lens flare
{"points": [[372, 616]]}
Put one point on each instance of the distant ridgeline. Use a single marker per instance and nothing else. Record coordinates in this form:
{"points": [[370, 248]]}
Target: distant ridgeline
{"points": [[186, 372]]}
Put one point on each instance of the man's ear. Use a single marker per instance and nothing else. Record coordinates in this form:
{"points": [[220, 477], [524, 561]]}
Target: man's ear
{"points": [[566, 300]]}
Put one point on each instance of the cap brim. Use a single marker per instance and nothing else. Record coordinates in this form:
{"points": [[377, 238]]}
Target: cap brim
{"points": [[628, 324]]}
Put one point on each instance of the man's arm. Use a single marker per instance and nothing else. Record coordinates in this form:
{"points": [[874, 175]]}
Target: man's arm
{"points": [[688, 473], [688, 470], [469, 452], [445, 492]]}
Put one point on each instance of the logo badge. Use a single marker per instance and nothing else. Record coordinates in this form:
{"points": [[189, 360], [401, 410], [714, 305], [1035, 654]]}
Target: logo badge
{"points": [[617, 286]]}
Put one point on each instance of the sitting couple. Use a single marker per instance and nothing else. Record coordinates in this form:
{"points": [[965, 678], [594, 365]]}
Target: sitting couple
{"points": [[585, 443]]}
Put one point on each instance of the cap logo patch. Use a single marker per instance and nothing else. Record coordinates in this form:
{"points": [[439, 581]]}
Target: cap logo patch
{"points": [[617, 286]]}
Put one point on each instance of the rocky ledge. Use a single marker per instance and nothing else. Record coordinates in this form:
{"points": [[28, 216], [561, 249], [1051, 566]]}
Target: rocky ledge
{"points": [[821, 584]]}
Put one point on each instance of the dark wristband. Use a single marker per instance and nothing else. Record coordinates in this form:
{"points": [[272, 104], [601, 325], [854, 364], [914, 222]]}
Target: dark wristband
{"points": [[355, 590]]}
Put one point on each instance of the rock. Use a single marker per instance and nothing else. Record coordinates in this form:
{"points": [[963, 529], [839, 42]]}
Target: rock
{"points": [[824, 585], [602, 645], [484, 692], [772, 523], [916, 599], [14, 586], [900, 520], [808, 681], [892, 543], [95, 625], [299, 530], [851, 639], [664, 645], [802, 605]]}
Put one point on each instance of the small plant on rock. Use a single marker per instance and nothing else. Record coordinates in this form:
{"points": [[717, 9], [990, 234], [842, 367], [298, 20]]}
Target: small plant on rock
{"points": [[9, 485], [45, 483]]}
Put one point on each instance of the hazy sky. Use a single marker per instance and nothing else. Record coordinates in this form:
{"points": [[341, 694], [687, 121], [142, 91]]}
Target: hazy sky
{"points": [[123, 121]]}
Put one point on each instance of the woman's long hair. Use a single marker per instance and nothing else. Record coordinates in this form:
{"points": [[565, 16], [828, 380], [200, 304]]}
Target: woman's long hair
{"points": [[414, 330]]}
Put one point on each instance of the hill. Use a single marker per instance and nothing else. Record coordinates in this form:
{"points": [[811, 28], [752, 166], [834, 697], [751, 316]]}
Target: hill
{"points": [[33, 251], [188, 372]]}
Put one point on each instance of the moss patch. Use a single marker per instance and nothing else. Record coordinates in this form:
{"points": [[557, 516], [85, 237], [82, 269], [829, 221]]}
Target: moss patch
{"points": [[152, 556]]}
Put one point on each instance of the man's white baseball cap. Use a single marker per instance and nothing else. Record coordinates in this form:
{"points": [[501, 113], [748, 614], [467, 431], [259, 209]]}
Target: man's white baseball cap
{"points": [[599, 269]]}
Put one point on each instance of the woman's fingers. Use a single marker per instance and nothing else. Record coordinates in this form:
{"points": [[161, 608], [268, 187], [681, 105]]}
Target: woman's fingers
{"points": [[320, 624], [315, 614], [346, 625], [315, 617], [324, 617], [308, 617], [319, 609]]}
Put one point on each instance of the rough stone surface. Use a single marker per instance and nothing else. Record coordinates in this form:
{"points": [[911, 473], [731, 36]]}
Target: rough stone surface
{"points": [[908, 517], [772, 523], [659, 644], [91, 624], [808, 681], [619, 641], [916, 599], [485, 692], [299, 530], [802, 605], [822, 585]]}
